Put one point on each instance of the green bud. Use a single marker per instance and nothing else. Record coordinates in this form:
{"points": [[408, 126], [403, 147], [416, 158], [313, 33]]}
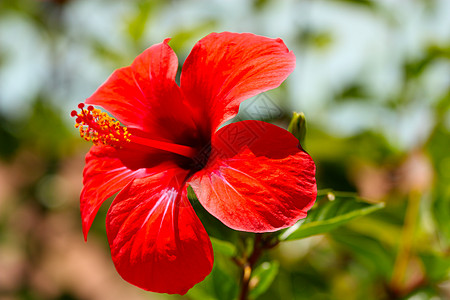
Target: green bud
{"points": [[297, 126]]}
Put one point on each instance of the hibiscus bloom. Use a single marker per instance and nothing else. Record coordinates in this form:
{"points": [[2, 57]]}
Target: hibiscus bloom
{"points": [[251, 175]]}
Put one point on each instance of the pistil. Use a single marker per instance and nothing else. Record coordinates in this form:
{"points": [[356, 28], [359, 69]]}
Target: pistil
{"points": [[96, 126]]}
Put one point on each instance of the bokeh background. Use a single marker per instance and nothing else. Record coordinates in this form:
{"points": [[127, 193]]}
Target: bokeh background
{"points": [[372, 78]]}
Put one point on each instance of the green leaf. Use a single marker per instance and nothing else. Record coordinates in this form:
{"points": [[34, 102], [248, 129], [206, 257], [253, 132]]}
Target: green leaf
{"points": [[367, 3], [223, 247], [139, 21], [368, 251], [338, 209], [220, 284], [437, 266], [225, 286], [441, 211], [200, 292], [262, 278]]}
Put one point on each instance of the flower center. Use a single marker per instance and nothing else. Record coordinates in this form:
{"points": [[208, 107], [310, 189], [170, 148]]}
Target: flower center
{"points": [[96, 126], [201, 158]]}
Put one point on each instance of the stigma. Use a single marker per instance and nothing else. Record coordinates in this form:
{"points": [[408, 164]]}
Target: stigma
{"points": [[99, 128]]}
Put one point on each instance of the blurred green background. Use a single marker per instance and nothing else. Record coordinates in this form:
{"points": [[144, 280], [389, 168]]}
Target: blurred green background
{"points": [[373, 80]]}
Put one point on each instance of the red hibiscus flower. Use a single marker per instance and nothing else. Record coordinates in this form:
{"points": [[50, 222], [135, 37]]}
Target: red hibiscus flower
{"points": [[251, 175]]}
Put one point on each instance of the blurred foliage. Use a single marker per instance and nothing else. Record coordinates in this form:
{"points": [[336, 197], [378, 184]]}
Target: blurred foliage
{"points": [[362, 131], [330, 211]]}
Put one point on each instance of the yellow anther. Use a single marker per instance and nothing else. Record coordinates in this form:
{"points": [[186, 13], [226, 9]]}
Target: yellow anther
{"points": [[96, 126]]}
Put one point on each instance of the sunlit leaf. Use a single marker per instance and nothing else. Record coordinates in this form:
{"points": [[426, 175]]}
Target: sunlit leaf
{"points": [[338, 209]]}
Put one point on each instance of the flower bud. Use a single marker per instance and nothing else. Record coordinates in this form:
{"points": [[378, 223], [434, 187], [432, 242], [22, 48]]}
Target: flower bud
{"points": [[297, 126]]}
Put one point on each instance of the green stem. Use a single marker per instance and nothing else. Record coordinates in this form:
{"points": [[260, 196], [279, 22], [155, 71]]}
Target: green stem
{"points": [[261, 243]]}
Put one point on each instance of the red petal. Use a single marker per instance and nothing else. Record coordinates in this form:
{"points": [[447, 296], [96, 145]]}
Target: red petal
{"points": [[145, 96], [258, 178], [226, 68], [157, 242], [103, 176]]}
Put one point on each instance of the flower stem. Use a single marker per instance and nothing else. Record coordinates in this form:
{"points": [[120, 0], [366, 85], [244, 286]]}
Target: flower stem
{"points": [[261, 243]]}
